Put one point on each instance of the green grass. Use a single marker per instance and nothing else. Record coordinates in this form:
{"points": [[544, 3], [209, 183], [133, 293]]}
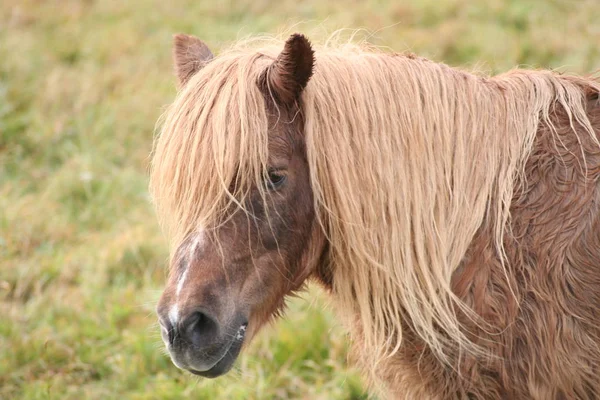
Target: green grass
{"points": [[81, 257]]}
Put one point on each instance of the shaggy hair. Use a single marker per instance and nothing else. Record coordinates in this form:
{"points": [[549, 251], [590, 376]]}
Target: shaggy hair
{"points": [[410, 161]]}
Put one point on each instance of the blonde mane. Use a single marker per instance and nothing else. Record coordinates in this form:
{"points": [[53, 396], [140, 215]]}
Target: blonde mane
{"points": [[408, 159], [213, 134]]}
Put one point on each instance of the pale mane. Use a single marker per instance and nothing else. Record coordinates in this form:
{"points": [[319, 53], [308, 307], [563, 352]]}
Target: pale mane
{"points": [[408, 159], [212, 146]]}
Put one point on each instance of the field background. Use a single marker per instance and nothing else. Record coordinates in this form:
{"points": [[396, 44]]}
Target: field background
{"points": [[81, 257]]}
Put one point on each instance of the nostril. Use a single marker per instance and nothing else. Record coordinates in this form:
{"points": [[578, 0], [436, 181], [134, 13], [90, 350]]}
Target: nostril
{"points": [[200, 329], [166, 331]]}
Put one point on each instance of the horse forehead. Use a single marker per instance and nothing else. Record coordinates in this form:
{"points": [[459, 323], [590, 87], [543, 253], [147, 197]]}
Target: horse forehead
{"points": [[197, 243]]}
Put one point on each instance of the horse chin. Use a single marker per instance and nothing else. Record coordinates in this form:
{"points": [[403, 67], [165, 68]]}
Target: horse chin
{"points": [[226, 362]]}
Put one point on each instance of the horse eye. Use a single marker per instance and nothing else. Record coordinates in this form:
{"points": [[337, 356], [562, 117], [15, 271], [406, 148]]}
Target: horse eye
{"points": [[275, 179]]}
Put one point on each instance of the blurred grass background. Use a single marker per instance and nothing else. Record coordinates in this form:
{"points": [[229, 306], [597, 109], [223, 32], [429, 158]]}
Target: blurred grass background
{"points": [[81, 257]]}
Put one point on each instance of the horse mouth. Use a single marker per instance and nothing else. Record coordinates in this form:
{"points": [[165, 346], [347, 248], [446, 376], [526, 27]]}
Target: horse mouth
{"points": [[226, 362]]}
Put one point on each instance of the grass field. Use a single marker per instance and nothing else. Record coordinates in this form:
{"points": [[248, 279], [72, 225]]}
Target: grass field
{"points": [[82, 260]]}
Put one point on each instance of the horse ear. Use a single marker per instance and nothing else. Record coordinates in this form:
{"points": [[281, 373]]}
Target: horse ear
{"points": [[288, 75], [190, 55]]}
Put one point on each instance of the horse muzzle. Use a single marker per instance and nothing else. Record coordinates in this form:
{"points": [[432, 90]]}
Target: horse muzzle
{"points": [[201, 345]]}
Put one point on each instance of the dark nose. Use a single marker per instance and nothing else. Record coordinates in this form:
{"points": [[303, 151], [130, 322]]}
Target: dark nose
{"points": [[199, 329]]}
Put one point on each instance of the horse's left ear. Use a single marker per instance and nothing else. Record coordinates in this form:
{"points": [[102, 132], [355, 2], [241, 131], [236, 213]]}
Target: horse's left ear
{"points": [[288, 75], [190, 55]]}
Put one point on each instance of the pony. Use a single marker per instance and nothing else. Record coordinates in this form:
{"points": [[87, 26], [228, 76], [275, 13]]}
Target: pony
{"points": [[454, 218]]}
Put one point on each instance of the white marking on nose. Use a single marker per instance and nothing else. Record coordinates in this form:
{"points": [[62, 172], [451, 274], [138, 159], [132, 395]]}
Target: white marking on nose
{"points": [[193, 247], [181, 282], [195, 244], [174, 315]]}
